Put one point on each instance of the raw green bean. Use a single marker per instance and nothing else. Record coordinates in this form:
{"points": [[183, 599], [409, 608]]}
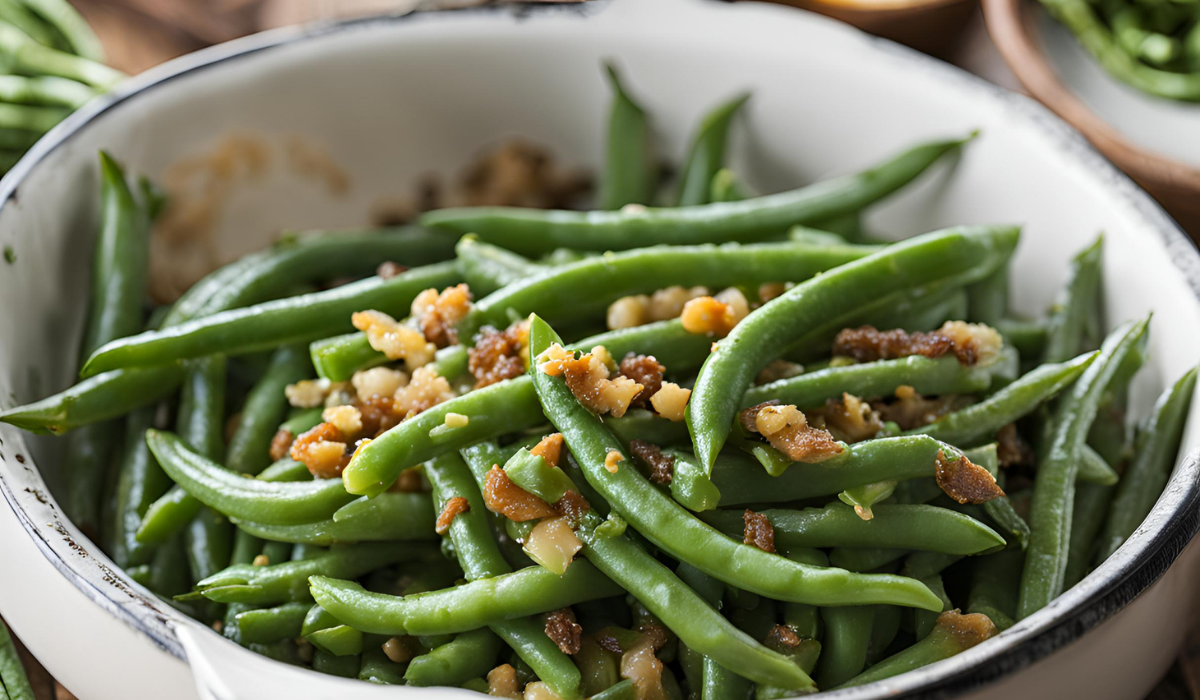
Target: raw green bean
{"points": [[487, 268], [267, 625], [1077, 304], [28, 56], [932, 262], [1054, 489], [951, 635], [535, 232], [630, 175], [844, 646], [1154, 458], [13, 680], [265, 406], [386, 518], [287, 581], [267, 325], [73, 27], [674, 530], [983, 419], [707, 153], [529, 591], [471, 654], [899, 526], [572, 292]]}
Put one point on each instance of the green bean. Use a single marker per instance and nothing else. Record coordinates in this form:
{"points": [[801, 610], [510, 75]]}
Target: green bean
{"points": [[864, 559], [690, 486], [534, 232], [28, 56], [571, 292], [44, 90], [376, 666], [287, 581], [18, 139], [988, 298], [201, 424], [1154, 457], [246, 548], [1077, 304], [885, 625], [266, 625], [339, 357], [265, 405], [502, 408], [255, 277], [926, 564], [238, 496], [139, 483], [73, 27], [995, 584], [932, 262], [39, 119], [286, 469], [487, 268], [630, 174], [720, 683], [707, 153], [640, 424], [924, 621], [344, 666], [1053, 495], [944, 375], [844, 647], [899, 526], [169, 573], [624, 690], [674, 530], [386, 518], [327, 633], [951, 635], [295, 319], [529, 591], [1018, 399], [12, 674], [726, 186], [1028, 337], [16, 14], [471, 654]]}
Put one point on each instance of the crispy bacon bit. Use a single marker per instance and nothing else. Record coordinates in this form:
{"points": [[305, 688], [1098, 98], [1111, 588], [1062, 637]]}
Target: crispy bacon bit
{"points": [[788, 431], [965, 630], [564, 631], [377, 381], [389, 269], [323, 450], [611, 460], [867, 344], [499, 355], [394, 339], [758, 531], [1011, 449], [426, 390], [281, 444], [974, 343], [453, 507], [644, 370], [588, 379], [549, 448], [782, 638], [438, 314], [573, 507], [662, 467], [965, 482], [409, 481], [911, 410], [778, 369], [377, 415], [503, 683], [505, 498], [670, 401], [850, 419]]}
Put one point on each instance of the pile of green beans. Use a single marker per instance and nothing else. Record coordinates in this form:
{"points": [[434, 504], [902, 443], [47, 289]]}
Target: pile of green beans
{"points": [[14, 683], [1153, 45], [52, 65], [503, 532]]}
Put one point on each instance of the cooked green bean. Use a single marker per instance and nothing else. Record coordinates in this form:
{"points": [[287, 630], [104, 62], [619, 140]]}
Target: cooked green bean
{"points": [[844, 646], [932, 262], [953, 633], [267, 625], [140, 481], [630, 174], [487, 268], [534, 232], [995, 585], [327, 633], [386, 518], [471, 654], [30, 57], [264, 408], [1054, 489], [707, 153], [1077, 307], [44, 90], [73, 27]]}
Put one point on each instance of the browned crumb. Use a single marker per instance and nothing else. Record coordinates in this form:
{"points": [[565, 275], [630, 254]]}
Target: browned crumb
{"points": [[670, 401], [850, 419], [662, 467], [782, 638], [1011, 449], [758, 531], [644, 370], [655, 633], [965, 630], [389, 269], [911, 410], [378, 415], [573, 507], [788, 431], [502, 682], [324, 450], [974, 343], [748, 417], [426, 390], [438, 314], [588, 378], [867, 344], [964, 481], [504, 497], [769, 290], [281, 444], [549, 449], [498, 355], [453, 507], [564, 631], [518, 174]]}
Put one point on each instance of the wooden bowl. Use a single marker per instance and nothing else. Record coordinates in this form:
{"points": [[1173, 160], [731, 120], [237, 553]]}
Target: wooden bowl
{"points": [[1174, 184], [932, 26]]}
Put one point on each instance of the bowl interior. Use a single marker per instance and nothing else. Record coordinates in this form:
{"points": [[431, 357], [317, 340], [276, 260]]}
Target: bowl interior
{"points": [[383, 103]]}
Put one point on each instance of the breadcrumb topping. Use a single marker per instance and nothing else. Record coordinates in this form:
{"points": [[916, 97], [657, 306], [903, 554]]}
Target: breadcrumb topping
{"points": [[345, 418], [499, 355], [503, 497], [670, 401], [308, 393], [849, 419], [966, 630], [788, 431], [644, 370], [564, 631], [911, 410], [971, 343], [324, 450], [281, 444], [640, 309], [611, 460], [377, 381], [438, 314], [974, 343], [715, 316], [394, 339], [641, 666], [426, 390], [588, 378], [502, 682]]}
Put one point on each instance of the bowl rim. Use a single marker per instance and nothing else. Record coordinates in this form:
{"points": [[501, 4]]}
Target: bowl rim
{"points": [[1140, 562]]}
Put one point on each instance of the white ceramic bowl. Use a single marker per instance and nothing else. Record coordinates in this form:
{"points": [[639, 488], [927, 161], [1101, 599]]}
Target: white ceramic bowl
{"points": [[391, 99]]}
